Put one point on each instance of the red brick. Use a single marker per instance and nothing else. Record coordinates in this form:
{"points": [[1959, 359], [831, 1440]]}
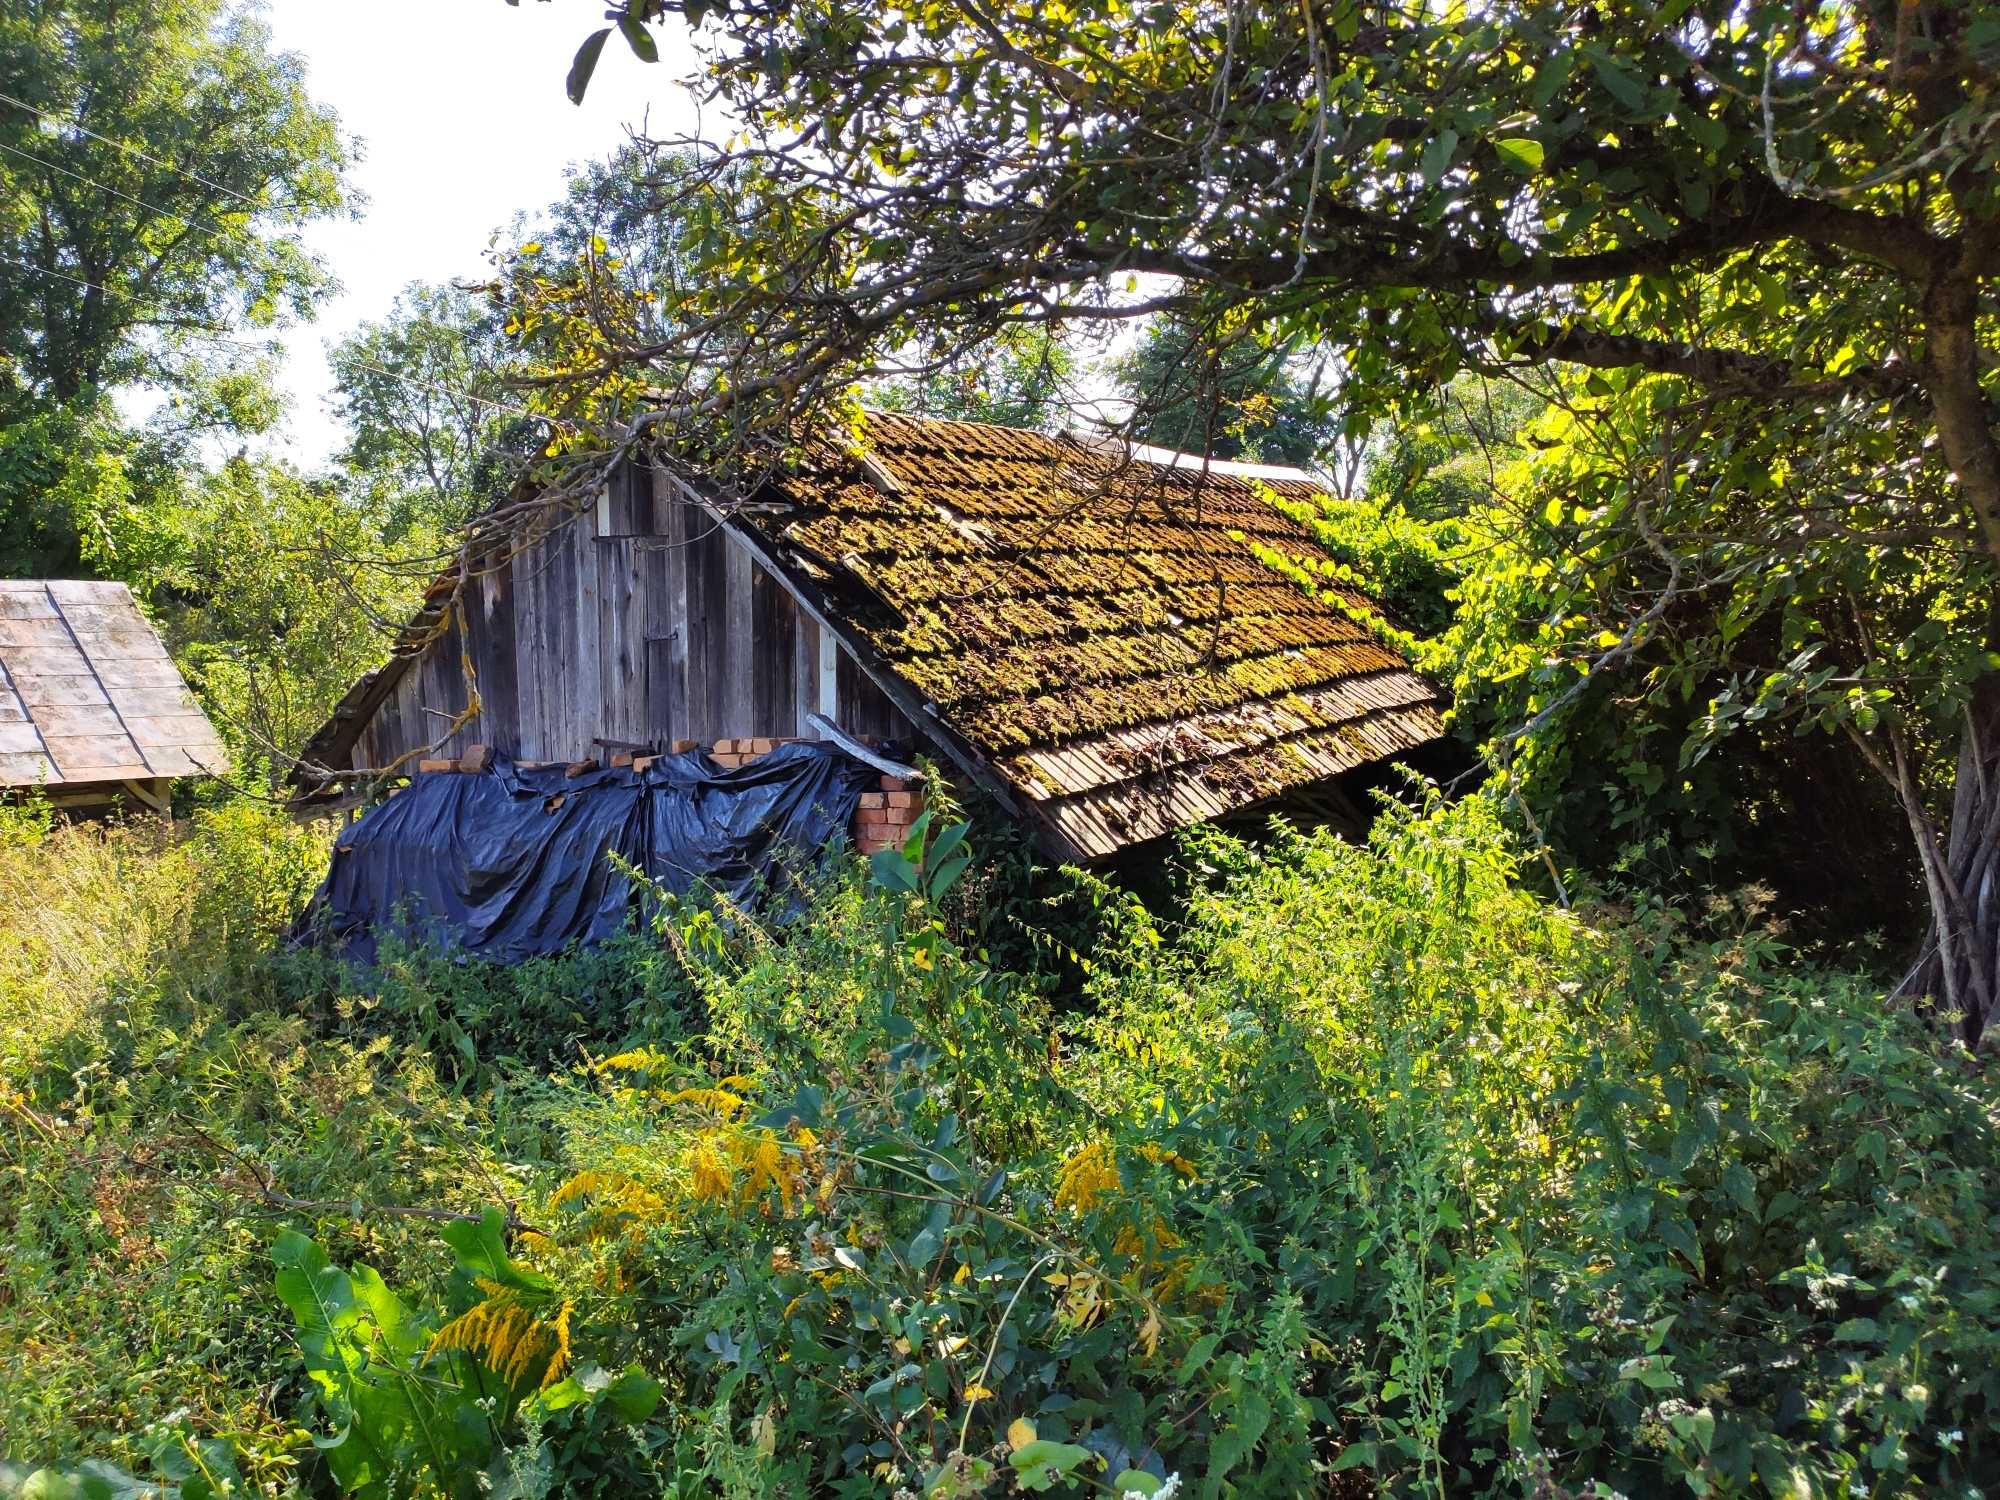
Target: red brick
{"points": [[428, 766], [621, 760], [894, 784], [681, 747], [874, 800], [476, 759], [902, 799]]}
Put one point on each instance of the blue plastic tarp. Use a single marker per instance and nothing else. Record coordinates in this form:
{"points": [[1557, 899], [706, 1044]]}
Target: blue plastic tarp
{"points": [[513, 862]]}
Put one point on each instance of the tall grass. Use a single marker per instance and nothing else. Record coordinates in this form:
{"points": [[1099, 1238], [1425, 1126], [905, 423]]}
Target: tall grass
{"points": [[101, 924], [156, 1091]]}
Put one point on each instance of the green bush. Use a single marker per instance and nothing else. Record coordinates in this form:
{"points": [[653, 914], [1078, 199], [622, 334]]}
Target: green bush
{"points": [[1365, 1169], [161, 1113], [480, 1019], [1369, 1163]]}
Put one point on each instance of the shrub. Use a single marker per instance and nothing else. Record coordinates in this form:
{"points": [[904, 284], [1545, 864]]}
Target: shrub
{"points": [[159, 1113], [1364, 1169], [481, 1019], [1370, 1163]]}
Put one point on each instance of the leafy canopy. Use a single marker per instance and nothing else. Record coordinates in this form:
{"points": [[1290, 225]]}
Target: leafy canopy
{"points": [[159, 164]]}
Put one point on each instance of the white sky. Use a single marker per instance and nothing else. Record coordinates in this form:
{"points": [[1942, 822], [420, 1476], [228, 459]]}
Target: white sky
{"points": [[462, 120]]}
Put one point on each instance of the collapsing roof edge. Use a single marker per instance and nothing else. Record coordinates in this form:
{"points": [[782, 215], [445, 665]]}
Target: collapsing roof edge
{"points": [[1113, 637]]}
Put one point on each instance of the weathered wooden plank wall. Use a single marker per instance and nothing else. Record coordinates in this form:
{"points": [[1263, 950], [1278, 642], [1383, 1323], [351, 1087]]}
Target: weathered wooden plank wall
{"points": [[639, 621]]}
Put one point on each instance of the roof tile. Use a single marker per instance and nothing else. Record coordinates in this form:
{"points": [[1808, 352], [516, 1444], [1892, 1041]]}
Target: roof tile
{"points": [[1103, 632], [88, 693]]}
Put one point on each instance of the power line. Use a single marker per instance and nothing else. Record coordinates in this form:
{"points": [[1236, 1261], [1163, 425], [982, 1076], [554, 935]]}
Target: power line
{"points": [[28, 265], [206, 338], [413, 383], [42, 114], [104, 187], [445, 390]]}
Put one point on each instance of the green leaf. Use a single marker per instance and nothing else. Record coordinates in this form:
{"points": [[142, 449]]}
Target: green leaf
{"points": [[1135, 1482], [1438, 152], [633, 1396], [1523, 153], [1619, 81], [1197, 1357], [1042, 1465], [638, 38], [1354, 1455], [1654, 1372], [945, 875], [578, 82], [481, 1249], [892, 870]]}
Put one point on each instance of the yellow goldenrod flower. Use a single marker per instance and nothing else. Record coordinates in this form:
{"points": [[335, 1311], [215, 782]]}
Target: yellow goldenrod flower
{"points": [[1090, 1173], [1160, 1156], [709, 1174]]}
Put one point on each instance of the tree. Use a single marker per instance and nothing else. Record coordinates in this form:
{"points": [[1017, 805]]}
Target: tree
{"points": [[1228, 398], [434, 432], [275, 592], [1776, 225], [155, 165], [1018, 380], [438, 426], [1446, 457]]}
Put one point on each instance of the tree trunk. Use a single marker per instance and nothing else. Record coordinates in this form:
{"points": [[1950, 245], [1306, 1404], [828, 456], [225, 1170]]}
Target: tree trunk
{"points": [[1957, 973]]}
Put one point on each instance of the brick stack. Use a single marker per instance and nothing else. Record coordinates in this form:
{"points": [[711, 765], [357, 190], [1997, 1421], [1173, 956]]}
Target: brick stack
{"points": [[882, 822], [886, 813], [733, 753], [884, 818]]}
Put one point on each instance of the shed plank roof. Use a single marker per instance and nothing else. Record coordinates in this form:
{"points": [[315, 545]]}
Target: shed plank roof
{"points": [[1109, 632], [88, 692], [1106, 636]]}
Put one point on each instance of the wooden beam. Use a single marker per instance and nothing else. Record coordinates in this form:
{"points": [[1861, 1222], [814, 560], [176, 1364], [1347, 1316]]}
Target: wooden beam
{"points": [[154, 793], [861, 752]]}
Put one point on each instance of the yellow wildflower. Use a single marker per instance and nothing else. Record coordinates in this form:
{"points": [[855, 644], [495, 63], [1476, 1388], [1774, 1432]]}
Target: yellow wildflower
{"points": [[709, 1174], [639, 1060], [1160, 1156], [508, 1337], [766, 1164], [719, 1102], [1089, 1174], [624, 1205]]}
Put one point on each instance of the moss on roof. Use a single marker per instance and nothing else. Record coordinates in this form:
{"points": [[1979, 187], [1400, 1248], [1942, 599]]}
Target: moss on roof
{"points": [[1068, 612]]}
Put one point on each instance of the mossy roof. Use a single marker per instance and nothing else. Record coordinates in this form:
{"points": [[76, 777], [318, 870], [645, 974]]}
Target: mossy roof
{"points": [[1108, 633]]}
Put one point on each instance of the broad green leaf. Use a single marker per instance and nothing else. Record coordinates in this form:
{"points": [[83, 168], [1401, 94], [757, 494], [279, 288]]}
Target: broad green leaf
{"points": [[1042, 1465], [585, 63], [1437, 155]]}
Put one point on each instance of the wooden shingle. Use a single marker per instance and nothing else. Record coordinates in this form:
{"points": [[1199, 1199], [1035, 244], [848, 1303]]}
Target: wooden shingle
{"points": [[88, 693], [1118, 636]]}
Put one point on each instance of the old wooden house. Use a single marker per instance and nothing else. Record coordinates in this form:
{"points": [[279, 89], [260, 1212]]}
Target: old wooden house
{"points": [[92, 710], [1113, 645]]}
